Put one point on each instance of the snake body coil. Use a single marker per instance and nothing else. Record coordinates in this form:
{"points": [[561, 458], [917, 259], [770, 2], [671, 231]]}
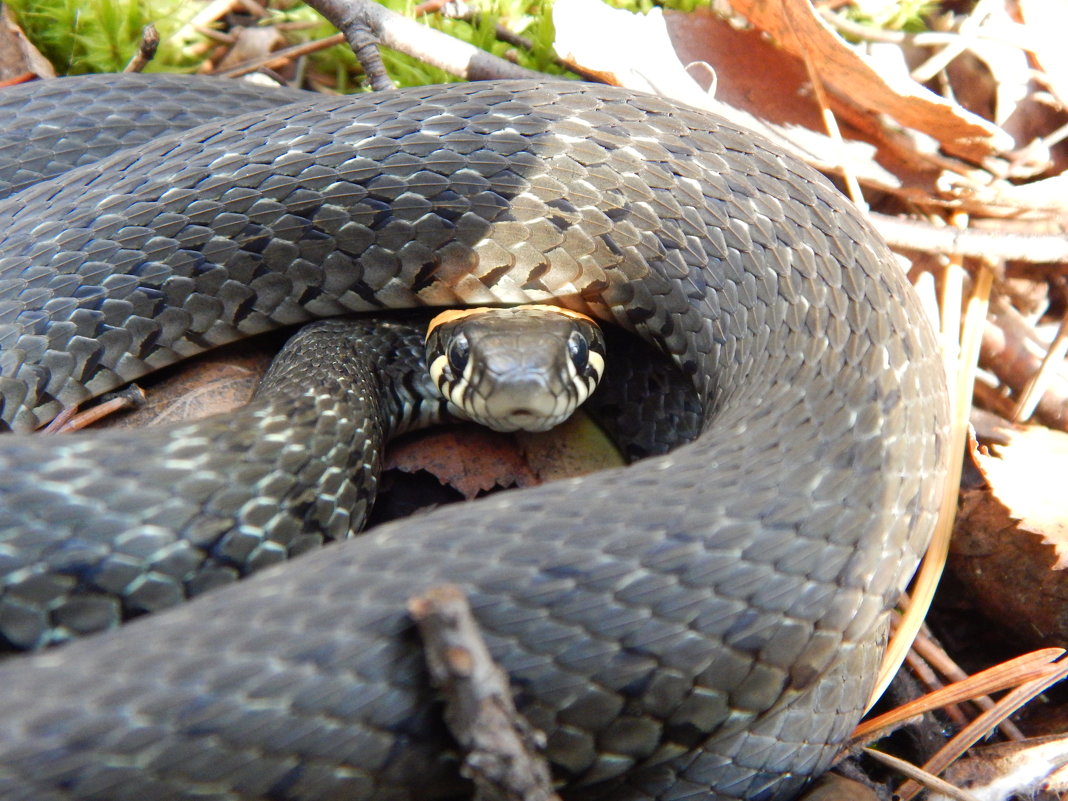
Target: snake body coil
{"points": [[700, 624]]}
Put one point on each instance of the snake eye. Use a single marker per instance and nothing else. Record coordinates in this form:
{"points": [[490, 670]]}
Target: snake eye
{"points": [[579, 351], [459, 352]]}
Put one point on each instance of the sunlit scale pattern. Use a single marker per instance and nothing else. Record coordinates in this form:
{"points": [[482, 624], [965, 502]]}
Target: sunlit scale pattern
{"points": [[694, 625]]}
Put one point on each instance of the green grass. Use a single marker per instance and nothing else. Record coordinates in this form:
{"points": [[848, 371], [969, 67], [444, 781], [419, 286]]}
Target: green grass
{"points": [[80, 36]]}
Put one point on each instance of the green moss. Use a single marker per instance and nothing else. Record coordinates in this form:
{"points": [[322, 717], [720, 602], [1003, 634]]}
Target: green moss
{"points": [[529, 18], [80, 36], [645, 6], [893, 15]]}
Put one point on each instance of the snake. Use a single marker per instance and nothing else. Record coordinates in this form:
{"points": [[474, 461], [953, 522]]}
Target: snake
{"points": [[702, 624]]}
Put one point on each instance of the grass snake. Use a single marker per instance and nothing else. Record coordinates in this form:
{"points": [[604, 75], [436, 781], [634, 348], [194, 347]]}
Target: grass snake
{"points": [[702, 624]]}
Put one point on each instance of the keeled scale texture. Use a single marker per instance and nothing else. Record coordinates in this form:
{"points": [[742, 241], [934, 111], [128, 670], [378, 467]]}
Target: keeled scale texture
{"points": [[106, 526], [47, 132], [697, 621]]}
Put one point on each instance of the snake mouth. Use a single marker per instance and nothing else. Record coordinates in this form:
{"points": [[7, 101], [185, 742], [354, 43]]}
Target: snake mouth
{"points": [[525, 420]]}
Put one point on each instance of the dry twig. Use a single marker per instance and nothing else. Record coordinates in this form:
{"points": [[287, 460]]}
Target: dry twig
{"points": [[419, 41], [503, 750], [146, 49]]}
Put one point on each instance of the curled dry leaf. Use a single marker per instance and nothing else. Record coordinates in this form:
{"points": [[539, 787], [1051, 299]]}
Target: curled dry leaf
{"points": [[795, 25], [470, 459], [1010, 770], [1010, 543], [763, 87]]}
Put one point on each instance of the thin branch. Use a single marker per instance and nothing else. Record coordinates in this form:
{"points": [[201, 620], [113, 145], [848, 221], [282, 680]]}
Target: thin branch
{"points": [[1013, 673], [419, 41], [502, 749], [984, 724], [146, 49], [994, 245], [934, 560], [919, 775], [364, 44], [1046, 375], [284, 54]]}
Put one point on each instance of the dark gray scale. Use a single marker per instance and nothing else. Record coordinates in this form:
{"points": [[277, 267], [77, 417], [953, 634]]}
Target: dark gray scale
{"points": [[45, 134], [116, 524], [701, 624]]}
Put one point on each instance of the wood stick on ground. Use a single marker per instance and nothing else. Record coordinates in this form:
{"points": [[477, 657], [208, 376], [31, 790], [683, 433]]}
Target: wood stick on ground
{"points": [[146, 49], [362, 27], [995, 245], [503, 750], [1013, 352], [935, 655], [279, 56], [419, 41]]}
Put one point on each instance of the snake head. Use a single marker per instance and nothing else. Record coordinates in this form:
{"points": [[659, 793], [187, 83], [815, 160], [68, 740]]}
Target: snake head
{"points": [[518, 369]]}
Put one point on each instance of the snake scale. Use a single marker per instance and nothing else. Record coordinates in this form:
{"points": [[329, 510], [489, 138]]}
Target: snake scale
{"points": [[700, 625]]}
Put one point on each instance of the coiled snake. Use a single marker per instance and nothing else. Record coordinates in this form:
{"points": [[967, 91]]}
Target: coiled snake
{"points": [[699, 624]]}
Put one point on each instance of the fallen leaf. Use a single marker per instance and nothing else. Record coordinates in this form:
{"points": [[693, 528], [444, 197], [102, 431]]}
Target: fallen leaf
{"points": [[574, 448], [214, 383], [1010, 543], [756, 85], [1007, 770], [633, 50], [251, 43], [471, 459], [474, 460], [18, 58], [796, 26], [832, 787]]}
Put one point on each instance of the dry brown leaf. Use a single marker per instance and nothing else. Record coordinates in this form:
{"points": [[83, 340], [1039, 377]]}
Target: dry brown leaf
{"points": [[251, 43], [1008, 76], [574, 448], [211, 384], [470, 459], [833, 787], [757, 85], [1010, 544], [474, 460], [19, 58], [1007, 770], [795, 25]]}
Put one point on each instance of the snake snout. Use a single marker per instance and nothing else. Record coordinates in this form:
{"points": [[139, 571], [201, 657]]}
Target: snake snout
{"points": [[525, 400]]}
